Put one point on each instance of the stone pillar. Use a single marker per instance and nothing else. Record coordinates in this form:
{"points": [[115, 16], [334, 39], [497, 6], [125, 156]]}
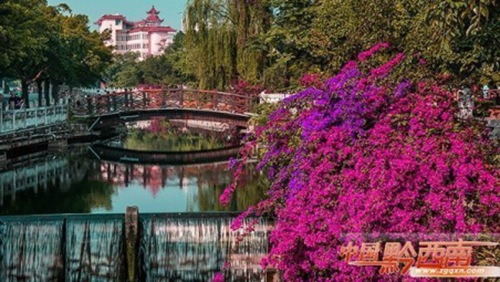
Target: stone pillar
{"points": [[132, 242]]}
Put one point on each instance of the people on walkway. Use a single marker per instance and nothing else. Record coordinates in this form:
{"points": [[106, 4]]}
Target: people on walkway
{"points": [[15, 102]]}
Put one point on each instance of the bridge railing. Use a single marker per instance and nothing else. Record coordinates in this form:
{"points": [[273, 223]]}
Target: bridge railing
{"points": [[161, 98], [18, 119]]}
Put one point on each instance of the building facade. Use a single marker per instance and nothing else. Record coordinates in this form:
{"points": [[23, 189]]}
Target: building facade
{"points": [[147, 37]]}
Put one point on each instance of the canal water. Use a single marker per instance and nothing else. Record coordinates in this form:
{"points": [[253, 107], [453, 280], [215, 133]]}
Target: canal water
{"points": [[77, 182], [60, 247]]}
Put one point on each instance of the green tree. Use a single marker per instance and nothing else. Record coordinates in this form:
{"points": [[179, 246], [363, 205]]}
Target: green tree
{"points": [[468, 33], [49, 43], [81, 56], [221, 40], [24, 33], [176, 55], [123, 71]]}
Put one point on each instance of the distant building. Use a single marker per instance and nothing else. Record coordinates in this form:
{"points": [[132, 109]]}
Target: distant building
{"points": [[147, 37]]}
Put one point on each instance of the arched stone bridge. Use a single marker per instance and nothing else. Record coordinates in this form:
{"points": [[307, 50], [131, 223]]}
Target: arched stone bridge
{"points": [[115, 108]]}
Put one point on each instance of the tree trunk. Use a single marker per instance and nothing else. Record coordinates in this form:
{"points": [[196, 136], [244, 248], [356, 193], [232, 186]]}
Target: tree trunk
{"points": [[55, 92], [25, 96], [46, 90], [6, 89], [40, 94]]}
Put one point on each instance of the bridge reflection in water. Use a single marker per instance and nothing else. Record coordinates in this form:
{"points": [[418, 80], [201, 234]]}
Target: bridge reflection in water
{"points": [[83, 184], [172, 247]]}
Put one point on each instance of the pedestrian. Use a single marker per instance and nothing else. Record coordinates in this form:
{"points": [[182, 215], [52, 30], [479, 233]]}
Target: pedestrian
{"points": [[12, 101], [18, 102], [2, 102]]}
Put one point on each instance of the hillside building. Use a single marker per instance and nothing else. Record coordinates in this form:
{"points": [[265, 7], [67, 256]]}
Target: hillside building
{"points": [[147, 37]]}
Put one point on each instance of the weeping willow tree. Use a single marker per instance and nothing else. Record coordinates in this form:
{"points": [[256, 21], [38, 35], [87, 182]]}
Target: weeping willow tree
{"points": [[223, 40]]}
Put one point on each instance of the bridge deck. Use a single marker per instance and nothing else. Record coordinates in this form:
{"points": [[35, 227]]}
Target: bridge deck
{"points": [[160, 99]]}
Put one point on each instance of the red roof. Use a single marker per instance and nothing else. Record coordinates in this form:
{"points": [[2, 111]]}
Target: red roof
{"points": [[153, 11], [110, 17], [140, 25], [153, 16]]}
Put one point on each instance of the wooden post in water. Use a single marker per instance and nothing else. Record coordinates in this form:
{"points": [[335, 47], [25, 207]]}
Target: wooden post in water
{"points": [[131, 241]]}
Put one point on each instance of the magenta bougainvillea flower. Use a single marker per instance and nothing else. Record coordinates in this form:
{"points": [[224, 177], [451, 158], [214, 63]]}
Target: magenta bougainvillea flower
{"points": [[367, 155]]}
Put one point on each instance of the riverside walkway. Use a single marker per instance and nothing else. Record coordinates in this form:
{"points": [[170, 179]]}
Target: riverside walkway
{"points": [[13, 120]]}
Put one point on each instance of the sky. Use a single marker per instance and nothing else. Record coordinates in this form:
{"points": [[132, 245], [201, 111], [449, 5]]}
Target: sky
{"points": [[134, 10]]}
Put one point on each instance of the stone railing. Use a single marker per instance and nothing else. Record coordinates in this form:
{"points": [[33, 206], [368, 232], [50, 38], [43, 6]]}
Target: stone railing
{"points": [[12, 120]]}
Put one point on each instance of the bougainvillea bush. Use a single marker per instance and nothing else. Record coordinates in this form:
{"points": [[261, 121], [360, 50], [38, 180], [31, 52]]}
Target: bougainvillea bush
{"points": [[364, 154]]}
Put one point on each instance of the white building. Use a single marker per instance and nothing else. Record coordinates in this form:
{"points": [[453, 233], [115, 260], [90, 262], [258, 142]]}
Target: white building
{"points": [[147, 37]]}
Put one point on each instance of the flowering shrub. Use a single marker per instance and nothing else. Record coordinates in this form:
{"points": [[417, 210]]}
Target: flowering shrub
{"points": [[365, 155], [243, 87], [311, 80]]}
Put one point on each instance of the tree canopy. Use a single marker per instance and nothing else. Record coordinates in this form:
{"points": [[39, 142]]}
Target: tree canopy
{"points": [[46, 43], [276, 42]]}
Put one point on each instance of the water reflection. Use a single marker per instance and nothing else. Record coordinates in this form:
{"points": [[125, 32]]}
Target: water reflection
{"points": [[161, 135], [80, 183]]}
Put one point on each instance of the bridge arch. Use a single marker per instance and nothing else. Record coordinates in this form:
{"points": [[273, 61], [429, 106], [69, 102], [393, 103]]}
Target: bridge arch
{"points": [[115, 108]]}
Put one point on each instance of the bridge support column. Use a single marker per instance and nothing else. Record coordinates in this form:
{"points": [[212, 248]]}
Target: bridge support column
{"points": [[132, 242]]}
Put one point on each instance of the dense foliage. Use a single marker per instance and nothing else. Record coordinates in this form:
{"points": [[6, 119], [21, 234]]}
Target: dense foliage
{"points": [[276, 41], [161, 136], [166, 69], [47, 44], [222, 41], [362, 154]]}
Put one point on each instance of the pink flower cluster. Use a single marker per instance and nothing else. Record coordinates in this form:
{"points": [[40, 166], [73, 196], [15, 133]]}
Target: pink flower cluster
{"points": [[367, 155], [363, 56], [311, 80]]}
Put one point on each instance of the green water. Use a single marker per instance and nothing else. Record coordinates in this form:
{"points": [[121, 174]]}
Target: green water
{"points": [[173, 141], [80, 183]]}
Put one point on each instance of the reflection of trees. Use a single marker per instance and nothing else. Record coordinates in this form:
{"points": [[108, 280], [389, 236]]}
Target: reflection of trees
{"points": [[66, 191], [252, 190], [171, 141], [155, 177], [210, 179]]}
